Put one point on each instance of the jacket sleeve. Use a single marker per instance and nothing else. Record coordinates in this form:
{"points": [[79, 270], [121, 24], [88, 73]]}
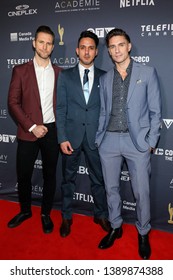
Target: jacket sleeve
{"points": [[102, 116], [154, 103], [61, 108], [16, 100]]}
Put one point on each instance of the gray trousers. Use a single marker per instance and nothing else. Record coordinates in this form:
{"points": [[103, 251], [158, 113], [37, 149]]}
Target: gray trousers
{"points": [[114, 149]]}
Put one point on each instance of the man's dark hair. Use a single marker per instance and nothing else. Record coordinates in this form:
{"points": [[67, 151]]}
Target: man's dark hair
{"points": [[45, 29], [116, 32], [89, 34]]}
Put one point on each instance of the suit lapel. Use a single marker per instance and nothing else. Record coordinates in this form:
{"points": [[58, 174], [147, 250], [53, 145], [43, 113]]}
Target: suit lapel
{"points": [[95, 85], [109, 87], [133, 80], [77, 83], [33, 81]]}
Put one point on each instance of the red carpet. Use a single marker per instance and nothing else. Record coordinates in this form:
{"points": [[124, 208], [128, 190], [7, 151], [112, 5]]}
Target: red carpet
{"points": [[28, 242]]}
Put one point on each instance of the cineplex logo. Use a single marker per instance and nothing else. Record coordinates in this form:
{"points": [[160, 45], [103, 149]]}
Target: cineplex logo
{"points": [[5, 138], [22, 10]]}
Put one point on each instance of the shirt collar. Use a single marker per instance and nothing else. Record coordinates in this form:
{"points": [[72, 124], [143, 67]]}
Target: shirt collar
{"points": [[38, 66], [129, 67], [82, 68]]}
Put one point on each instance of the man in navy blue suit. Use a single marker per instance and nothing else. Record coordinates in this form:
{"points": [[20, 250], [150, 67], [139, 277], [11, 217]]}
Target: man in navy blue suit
{"points": [[77, 123]]}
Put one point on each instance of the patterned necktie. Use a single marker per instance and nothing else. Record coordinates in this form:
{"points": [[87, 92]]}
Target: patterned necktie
{"points": [[86, 85]]}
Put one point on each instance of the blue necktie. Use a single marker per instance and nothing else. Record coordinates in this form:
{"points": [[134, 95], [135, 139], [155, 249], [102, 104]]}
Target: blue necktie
{"points": [[86, 85]]}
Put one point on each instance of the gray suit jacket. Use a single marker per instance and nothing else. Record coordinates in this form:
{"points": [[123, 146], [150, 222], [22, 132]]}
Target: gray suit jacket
{"points": [[75, 118], [143, 106]]}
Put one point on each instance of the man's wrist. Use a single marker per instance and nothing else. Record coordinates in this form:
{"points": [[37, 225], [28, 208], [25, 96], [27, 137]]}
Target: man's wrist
{"points": [[32, 127]]}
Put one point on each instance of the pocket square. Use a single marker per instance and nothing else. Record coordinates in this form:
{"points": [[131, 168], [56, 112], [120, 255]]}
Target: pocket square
{"points": [[139, 81]]}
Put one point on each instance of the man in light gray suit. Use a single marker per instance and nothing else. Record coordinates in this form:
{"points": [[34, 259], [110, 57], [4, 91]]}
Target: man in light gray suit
{"points": [[129, 124], [77, 122]]}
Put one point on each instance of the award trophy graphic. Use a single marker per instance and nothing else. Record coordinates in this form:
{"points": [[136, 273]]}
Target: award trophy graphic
{"points": [[170, 210], [61, 33]]}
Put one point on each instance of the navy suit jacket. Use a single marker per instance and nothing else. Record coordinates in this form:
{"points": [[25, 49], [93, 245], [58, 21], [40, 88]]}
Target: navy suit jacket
{"points": [[143, 108], [73, 116]]}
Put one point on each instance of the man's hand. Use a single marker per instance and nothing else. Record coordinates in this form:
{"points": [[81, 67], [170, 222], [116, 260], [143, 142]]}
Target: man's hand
{"points": [[66, 148], [40, 131], [152, 150]]}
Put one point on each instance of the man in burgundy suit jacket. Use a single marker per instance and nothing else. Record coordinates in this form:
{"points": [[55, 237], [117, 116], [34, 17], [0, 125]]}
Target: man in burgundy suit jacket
{"points": [[31, 102]]}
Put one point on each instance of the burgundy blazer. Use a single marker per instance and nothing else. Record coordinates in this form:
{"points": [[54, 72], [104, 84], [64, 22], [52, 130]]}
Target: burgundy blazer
{"points": [[24, 99]]}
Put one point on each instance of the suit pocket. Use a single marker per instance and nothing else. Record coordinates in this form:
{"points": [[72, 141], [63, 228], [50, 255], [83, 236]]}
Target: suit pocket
{"points": [[144, 123]]}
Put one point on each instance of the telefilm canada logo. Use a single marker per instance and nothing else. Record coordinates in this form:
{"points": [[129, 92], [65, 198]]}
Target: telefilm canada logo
{"points": [[11, 62], [157, 30], [22, 10]]}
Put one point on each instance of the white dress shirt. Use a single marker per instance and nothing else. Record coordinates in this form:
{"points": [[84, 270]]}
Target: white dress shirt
{"points": [[45, 81], [90, 75]]}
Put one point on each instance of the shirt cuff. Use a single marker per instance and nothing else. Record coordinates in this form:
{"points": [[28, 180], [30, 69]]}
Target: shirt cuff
{"points": [[32, 127]]}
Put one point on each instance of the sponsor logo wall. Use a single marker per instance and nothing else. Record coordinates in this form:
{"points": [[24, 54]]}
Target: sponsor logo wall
{"points": [[150, 26]]}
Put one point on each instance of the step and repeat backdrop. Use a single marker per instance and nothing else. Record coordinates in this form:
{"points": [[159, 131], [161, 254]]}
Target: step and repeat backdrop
{"points": [[150, 26]]}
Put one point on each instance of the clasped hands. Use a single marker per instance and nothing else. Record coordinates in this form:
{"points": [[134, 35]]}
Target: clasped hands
{"points": [[40, 131]]}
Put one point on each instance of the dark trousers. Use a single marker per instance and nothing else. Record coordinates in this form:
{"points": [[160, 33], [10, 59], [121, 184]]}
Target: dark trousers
{"points": [[70, 166], [27, 152]]}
